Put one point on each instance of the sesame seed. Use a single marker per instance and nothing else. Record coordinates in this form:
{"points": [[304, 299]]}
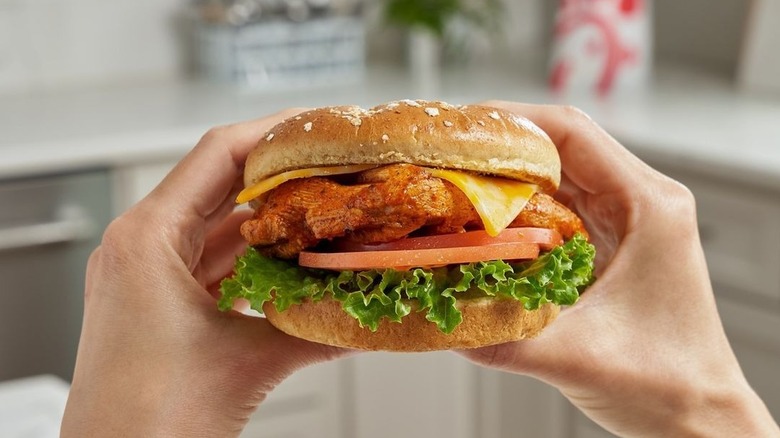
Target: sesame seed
{"points": [[433, 112], [356, 121], [494, 115], [481, 122], [385, 138], [411, 103], [307, 126], [447, 123], [270, 137], [297, 117]]}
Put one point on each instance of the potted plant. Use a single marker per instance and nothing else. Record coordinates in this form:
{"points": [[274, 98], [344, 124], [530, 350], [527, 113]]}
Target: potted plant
{"points": [[431, 23]]}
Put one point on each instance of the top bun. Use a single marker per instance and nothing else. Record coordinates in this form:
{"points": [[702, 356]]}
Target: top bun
{"points": [[477, 138]]}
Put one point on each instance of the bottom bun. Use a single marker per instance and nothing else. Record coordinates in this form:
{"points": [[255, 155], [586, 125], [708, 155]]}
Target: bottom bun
{"points": [[486, 321]]}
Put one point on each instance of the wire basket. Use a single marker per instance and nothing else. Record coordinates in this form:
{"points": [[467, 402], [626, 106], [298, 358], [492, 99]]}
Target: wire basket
{"points": [[280, 53]]}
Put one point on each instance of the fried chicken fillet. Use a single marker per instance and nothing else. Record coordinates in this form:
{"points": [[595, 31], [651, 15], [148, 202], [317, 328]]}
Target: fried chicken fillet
{"points": [[380, 205]]}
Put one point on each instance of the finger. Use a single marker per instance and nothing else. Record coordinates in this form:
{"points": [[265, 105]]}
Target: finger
{"points": [[203, 180], [276, 354], [227, 207], [590, 157], [509, 357], [223, 244], [568, 193]]}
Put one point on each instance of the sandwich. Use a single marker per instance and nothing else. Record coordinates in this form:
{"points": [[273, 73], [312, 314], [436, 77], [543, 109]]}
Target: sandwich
{"points": [[411, 226]]}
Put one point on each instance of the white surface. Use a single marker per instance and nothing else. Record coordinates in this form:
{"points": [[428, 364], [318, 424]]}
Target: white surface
{"points": [[685, 117], [32, 407]]}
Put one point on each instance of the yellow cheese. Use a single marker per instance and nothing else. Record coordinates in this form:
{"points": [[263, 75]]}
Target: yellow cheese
{"points": [[266, 185], [498, 201]]}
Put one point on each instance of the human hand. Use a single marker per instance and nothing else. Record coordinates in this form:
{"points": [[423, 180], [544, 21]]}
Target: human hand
{"points": [[643, 353], [156, 357]]}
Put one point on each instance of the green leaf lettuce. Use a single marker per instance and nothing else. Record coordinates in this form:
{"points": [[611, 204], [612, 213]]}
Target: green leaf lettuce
{"points": [[369, 296]]}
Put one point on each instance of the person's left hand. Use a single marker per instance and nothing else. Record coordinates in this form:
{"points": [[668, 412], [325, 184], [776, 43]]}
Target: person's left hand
{"points": [[156, 357]]}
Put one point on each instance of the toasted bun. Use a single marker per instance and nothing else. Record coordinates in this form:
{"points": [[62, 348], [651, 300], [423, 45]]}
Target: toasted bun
{"points": [[486, 321], [475, 138]]}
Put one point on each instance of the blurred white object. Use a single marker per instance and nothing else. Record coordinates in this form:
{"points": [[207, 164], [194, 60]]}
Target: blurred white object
{"points": [[759, 68], [424, 53], [601, 46], [280, 53], [32, 407]]}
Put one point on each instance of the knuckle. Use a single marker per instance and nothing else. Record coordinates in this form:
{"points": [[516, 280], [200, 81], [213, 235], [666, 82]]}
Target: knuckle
{"points": [[575, 113], [114, 245], [124, 239], [683, 204], [670, 202], [677, 198], [214, 133]]}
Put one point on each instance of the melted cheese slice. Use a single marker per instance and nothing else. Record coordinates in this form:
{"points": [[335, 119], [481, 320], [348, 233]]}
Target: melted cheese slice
{"points": [[271, 183], [498, 201]]}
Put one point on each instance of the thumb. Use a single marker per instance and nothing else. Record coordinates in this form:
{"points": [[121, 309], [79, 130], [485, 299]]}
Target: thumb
{"points": [[554, 357]]}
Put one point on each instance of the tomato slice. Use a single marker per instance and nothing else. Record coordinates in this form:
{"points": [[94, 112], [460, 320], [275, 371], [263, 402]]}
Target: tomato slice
{"points": [[545, 238], [404, 259]]}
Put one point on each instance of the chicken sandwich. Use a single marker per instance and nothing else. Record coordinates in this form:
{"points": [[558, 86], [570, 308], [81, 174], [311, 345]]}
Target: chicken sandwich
{"points": [[411, 226]]}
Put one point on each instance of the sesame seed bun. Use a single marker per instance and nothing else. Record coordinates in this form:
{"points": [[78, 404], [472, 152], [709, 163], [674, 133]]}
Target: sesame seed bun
{"points": [[486, 321], [473, 138], [435, 134]]}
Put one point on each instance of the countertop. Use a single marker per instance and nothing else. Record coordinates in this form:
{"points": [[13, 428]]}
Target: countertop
{"points": [[684, 117]]}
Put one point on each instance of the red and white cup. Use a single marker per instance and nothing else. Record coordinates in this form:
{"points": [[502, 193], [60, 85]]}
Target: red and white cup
{"points": [[601, 47]]}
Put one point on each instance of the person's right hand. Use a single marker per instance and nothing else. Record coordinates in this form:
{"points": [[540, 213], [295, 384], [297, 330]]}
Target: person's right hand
{"points": [[643, 353]]}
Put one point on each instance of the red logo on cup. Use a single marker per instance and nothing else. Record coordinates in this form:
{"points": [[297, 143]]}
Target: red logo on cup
{"points": [[601, 46]]}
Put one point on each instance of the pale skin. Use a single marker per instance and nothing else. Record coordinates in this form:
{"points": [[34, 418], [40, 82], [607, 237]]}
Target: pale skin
{"points": [[635, 354]]}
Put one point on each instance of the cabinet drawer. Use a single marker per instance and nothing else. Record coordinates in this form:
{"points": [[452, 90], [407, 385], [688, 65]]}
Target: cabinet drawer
{"points": [[740, 233]]}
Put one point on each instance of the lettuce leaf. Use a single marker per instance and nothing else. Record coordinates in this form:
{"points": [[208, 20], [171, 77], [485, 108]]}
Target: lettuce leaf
{"points": [[369, 296]]}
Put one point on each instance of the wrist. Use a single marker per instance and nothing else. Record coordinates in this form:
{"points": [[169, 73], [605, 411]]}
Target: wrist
{"points": [[733, 410], [162, 406]]}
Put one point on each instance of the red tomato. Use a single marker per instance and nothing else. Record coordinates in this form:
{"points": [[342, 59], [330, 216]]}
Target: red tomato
{"points": [[404, 259], [545, 238]]}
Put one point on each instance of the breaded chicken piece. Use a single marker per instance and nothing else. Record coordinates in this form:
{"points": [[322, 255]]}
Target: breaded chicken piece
{"points": [[386, 204]]}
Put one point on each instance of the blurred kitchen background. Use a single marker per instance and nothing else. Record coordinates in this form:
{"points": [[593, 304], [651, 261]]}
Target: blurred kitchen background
{"points": [[99, 99]]}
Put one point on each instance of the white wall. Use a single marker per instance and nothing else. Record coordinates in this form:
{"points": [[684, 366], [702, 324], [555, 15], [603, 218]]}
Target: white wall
{"points": [[53, 43]]}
